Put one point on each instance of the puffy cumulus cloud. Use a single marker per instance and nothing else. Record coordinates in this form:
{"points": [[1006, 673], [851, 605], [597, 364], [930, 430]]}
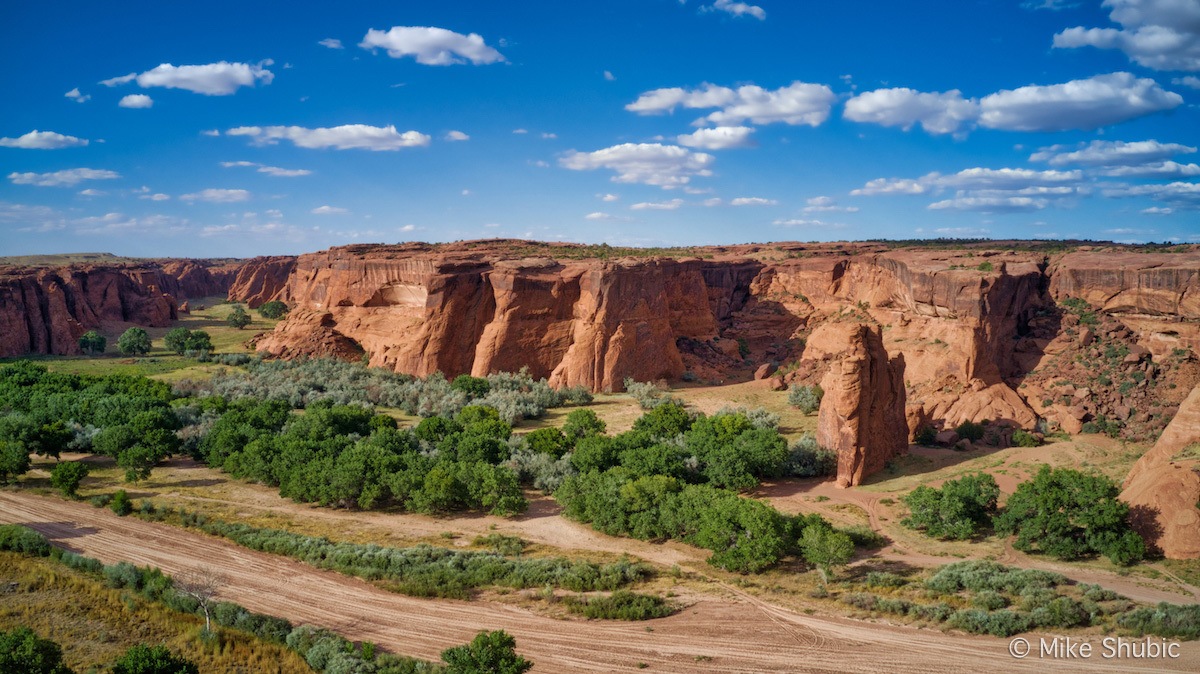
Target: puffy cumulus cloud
{"points": [[213, 79], [331, 42], [1079, 104], [671, 205], [76, 96], [455, 136], [136, 101], [273, 171], [890, 186], [217, 196], [608, 197], [43, 140], [753, 201], [1157, 34], [1004, 178], [329, 210], [796, 104], [736, 9], [156, 196], [937, 113], [65, 178], [345, 137], [826, 205], [1180, 195], [1110, 153], [718, 138], [1164, 169], [431, 46], [666, 166], [1189, 81]]}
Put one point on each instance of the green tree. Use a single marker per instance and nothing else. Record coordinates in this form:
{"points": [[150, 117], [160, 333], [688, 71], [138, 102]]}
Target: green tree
{"points": [[806, 398], [474, 387], [488, 653], [825, 549], [272, 310], [958, 511], [199, 340], [238, 318], [93, 342], [548, 440], [142, 659], [176, 340], [24, 652], [120, 503], [582, 423], [1068, 514], [134, 342], [67, 476], [14, 459]]}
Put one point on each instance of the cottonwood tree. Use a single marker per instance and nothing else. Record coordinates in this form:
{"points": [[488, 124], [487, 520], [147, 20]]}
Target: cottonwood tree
{"points": [[202, 585]]}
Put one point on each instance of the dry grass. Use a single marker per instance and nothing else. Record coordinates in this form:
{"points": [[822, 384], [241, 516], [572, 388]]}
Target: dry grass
{"points": [[95, 624]]}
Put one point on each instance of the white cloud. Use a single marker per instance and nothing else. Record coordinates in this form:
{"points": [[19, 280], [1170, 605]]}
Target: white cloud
{"points": [[937, 113], [1079, 104], [329, 210], [520, 132], [801, 222], [331, 42], [598, 215], [795, 104], [1004, 178], [345, 137], [211, 133], [43, 140], [118, 223], [719, 138], [609, 197], [1110, 153], [609, 76], [712, 202], [157, 196], [963, 231], [457, 136], [990, 204], [753, 201], [408, 228], [432, 46], [213, 79], [549, 136], [116, 81], [136, 101], [1165, 169], [890, 186], [76, 96], [1181, 195], [1157, 210], [217, 196], [1190, 81], [670, 205], [1157, 34], [65, 178], [649, 163], [273, 171], [92, 193], [826, 205], [737, 9]]}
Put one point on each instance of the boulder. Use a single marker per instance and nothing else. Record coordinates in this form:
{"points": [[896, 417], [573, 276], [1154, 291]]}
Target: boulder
{"points": [[765, 370]]}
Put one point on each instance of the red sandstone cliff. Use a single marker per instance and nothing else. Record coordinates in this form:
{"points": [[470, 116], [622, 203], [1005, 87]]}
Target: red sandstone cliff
{"points": [[260, 280], [46, 310], [1164, 486]]}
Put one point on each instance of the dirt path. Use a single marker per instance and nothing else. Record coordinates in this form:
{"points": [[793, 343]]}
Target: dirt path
{"points": [[713, 635]]}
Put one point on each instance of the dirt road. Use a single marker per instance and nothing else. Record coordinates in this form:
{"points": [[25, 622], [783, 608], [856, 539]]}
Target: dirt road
{"points": [[713, 635]]}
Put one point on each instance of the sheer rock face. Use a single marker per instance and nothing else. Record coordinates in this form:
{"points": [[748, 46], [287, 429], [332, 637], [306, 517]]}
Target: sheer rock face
{"points": [[261, 280], [862, 414], [1163, 488], [46, 310]]}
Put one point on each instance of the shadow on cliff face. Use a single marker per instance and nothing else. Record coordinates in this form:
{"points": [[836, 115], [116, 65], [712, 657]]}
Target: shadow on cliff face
{"points": [[1035, 329], [1145, 521]]}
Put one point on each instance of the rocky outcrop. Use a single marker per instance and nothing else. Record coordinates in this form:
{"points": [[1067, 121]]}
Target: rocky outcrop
{"points": [[862, 414], [46, 310], [260, 280], [1163, 489]]}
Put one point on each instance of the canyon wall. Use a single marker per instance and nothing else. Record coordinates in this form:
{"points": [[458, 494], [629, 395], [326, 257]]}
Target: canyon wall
{"points": [[46, 310]]}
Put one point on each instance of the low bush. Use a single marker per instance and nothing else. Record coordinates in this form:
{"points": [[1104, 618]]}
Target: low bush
{"points": [[1164, 620], [16, 538], [805, 398], [621, 605]]}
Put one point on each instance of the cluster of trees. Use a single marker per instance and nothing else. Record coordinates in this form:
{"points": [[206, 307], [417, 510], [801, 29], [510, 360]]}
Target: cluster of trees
{"points": [[132, 342], [272, 310], [128, 418], [22, 651], [182, 340], [1061, 512], [344, 455]]}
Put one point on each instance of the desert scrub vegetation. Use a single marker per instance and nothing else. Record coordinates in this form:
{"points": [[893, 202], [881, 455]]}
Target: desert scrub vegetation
{"points": [[805, 398], [423, 570], [620, 605], [302, 382]]}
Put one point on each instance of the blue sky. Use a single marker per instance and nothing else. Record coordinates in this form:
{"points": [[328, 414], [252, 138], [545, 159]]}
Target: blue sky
{"points": [[237, 129]]}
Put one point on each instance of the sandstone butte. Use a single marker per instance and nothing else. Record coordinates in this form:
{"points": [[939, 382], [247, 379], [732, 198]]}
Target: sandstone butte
{"points": [[902, 337]]}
